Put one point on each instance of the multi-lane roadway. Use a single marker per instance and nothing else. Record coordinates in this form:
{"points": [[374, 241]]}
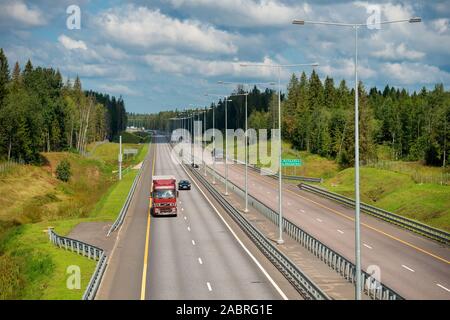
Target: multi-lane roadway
{"points": [[202, 254], [197, 255], [415, 267]]}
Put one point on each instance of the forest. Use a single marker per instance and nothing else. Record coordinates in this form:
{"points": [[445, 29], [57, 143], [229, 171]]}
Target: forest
{"points": [[318, 116], [40, 113]]}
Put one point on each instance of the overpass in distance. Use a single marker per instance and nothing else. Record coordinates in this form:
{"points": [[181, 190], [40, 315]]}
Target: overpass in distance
{"points": [[203, 253]]}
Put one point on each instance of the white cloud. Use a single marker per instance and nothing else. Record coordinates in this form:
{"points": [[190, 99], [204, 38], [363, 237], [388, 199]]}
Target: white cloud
{"points": [[345, 68], [414, 73], [71, 44], [184, 65], [105, 71], [143, 27], [398, 52], [244, 13], [440, 25], [119, 89], [111, 52], [20, 12]]}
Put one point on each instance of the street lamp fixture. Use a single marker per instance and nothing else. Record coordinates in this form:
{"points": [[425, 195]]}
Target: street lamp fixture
{"points": [[280, 179], [356, 26], [225, 98], [246, 127]]}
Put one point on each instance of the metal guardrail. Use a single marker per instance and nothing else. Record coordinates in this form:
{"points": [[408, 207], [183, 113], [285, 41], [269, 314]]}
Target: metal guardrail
{"points": [[300, 281], [371, 286], [415, 226], [125, 206], [87, 250], [275, 175], [300, 178]]}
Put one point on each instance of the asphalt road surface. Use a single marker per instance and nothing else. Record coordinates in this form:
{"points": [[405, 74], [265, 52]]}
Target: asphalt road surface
{"points": [[191, 256], [415, 267]]}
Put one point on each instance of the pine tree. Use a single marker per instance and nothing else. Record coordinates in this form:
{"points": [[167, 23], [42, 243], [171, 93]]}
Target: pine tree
{"points": [[4, 76]]}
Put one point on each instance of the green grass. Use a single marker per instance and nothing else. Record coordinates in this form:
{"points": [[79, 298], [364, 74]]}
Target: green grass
{"points": [[110, 204], [392, 185], [32, 200], [398, 193], [44, 266], [108, 153], [313, 165]]}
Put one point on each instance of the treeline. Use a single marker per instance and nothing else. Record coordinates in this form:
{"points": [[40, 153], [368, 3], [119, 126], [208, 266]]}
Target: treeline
{"points": [[258, 101], [319, 117], [116, 115], [38, 113]]}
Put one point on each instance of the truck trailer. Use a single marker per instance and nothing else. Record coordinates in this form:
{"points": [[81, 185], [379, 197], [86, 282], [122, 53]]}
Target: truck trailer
{"points": [[164, 196]]}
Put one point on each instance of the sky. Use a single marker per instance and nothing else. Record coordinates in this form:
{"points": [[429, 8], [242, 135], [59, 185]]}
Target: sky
{"points": [[166, 54]]}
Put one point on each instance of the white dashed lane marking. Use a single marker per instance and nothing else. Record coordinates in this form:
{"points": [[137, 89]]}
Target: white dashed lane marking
{"points": [[407, 268], [441, 286], [200, 260], [193, 242], [189, 229], [340, 231], [320, 220], [367, 246], [209, 286]]}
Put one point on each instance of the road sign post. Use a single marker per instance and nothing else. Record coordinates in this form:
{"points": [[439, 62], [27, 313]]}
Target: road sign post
{"points": [[120, 158]]}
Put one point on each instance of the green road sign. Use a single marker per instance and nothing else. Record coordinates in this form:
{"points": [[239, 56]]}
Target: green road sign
{"points": [[291, 162]]}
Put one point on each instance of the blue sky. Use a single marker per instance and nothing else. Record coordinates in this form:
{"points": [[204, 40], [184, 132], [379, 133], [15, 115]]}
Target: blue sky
{"points": [[166, 54]]}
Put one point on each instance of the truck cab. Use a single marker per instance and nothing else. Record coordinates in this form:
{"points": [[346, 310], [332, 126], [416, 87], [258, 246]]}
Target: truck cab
{"points": [[164, 196]]}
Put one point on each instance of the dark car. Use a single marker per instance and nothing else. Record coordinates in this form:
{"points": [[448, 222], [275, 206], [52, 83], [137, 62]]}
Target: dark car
{"points": [[184, 185], [194, 165]]}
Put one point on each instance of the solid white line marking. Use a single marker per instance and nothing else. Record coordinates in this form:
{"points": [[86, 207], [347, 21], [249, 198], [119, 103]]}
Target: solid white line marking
{"points": [[193, 242], [239, 240], [367, 246], [407, 268], [209, 286], [200, 260], [441, 286], [320, 220], [340, 231], [189, 229]]}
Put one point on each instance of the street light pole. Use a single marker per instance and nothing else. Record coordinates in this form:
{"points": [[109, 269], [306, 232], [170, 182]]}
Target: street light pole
{"points": [[245, 135], [204, 129], [280, 176], [225, 97], [226, 146], [356, 26], [280, 173], [214, 146]]}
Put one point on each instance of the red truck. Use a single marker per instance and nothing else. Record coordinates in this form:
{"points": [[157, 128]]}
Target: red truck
{"points": [[164, 196]]}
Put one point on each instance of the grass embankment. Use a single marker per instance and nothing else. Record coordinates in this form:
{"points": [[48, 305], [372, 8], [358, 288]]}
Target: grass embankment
{"points": [[397, 192], [31, 267], [410, 189], [313, 165]]}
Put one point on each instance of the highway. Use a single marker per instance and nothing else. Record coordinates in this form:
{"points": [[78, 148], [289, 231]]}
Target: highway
{"points": [[413, 266], [196, 255]]}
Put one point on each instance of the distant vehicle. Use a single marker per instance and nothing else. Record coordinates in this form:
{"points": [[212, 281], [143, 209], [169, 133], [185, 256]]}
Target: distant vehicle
{"points": [[164, 196], [195, 166], [217, 154], [184, 185]]}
